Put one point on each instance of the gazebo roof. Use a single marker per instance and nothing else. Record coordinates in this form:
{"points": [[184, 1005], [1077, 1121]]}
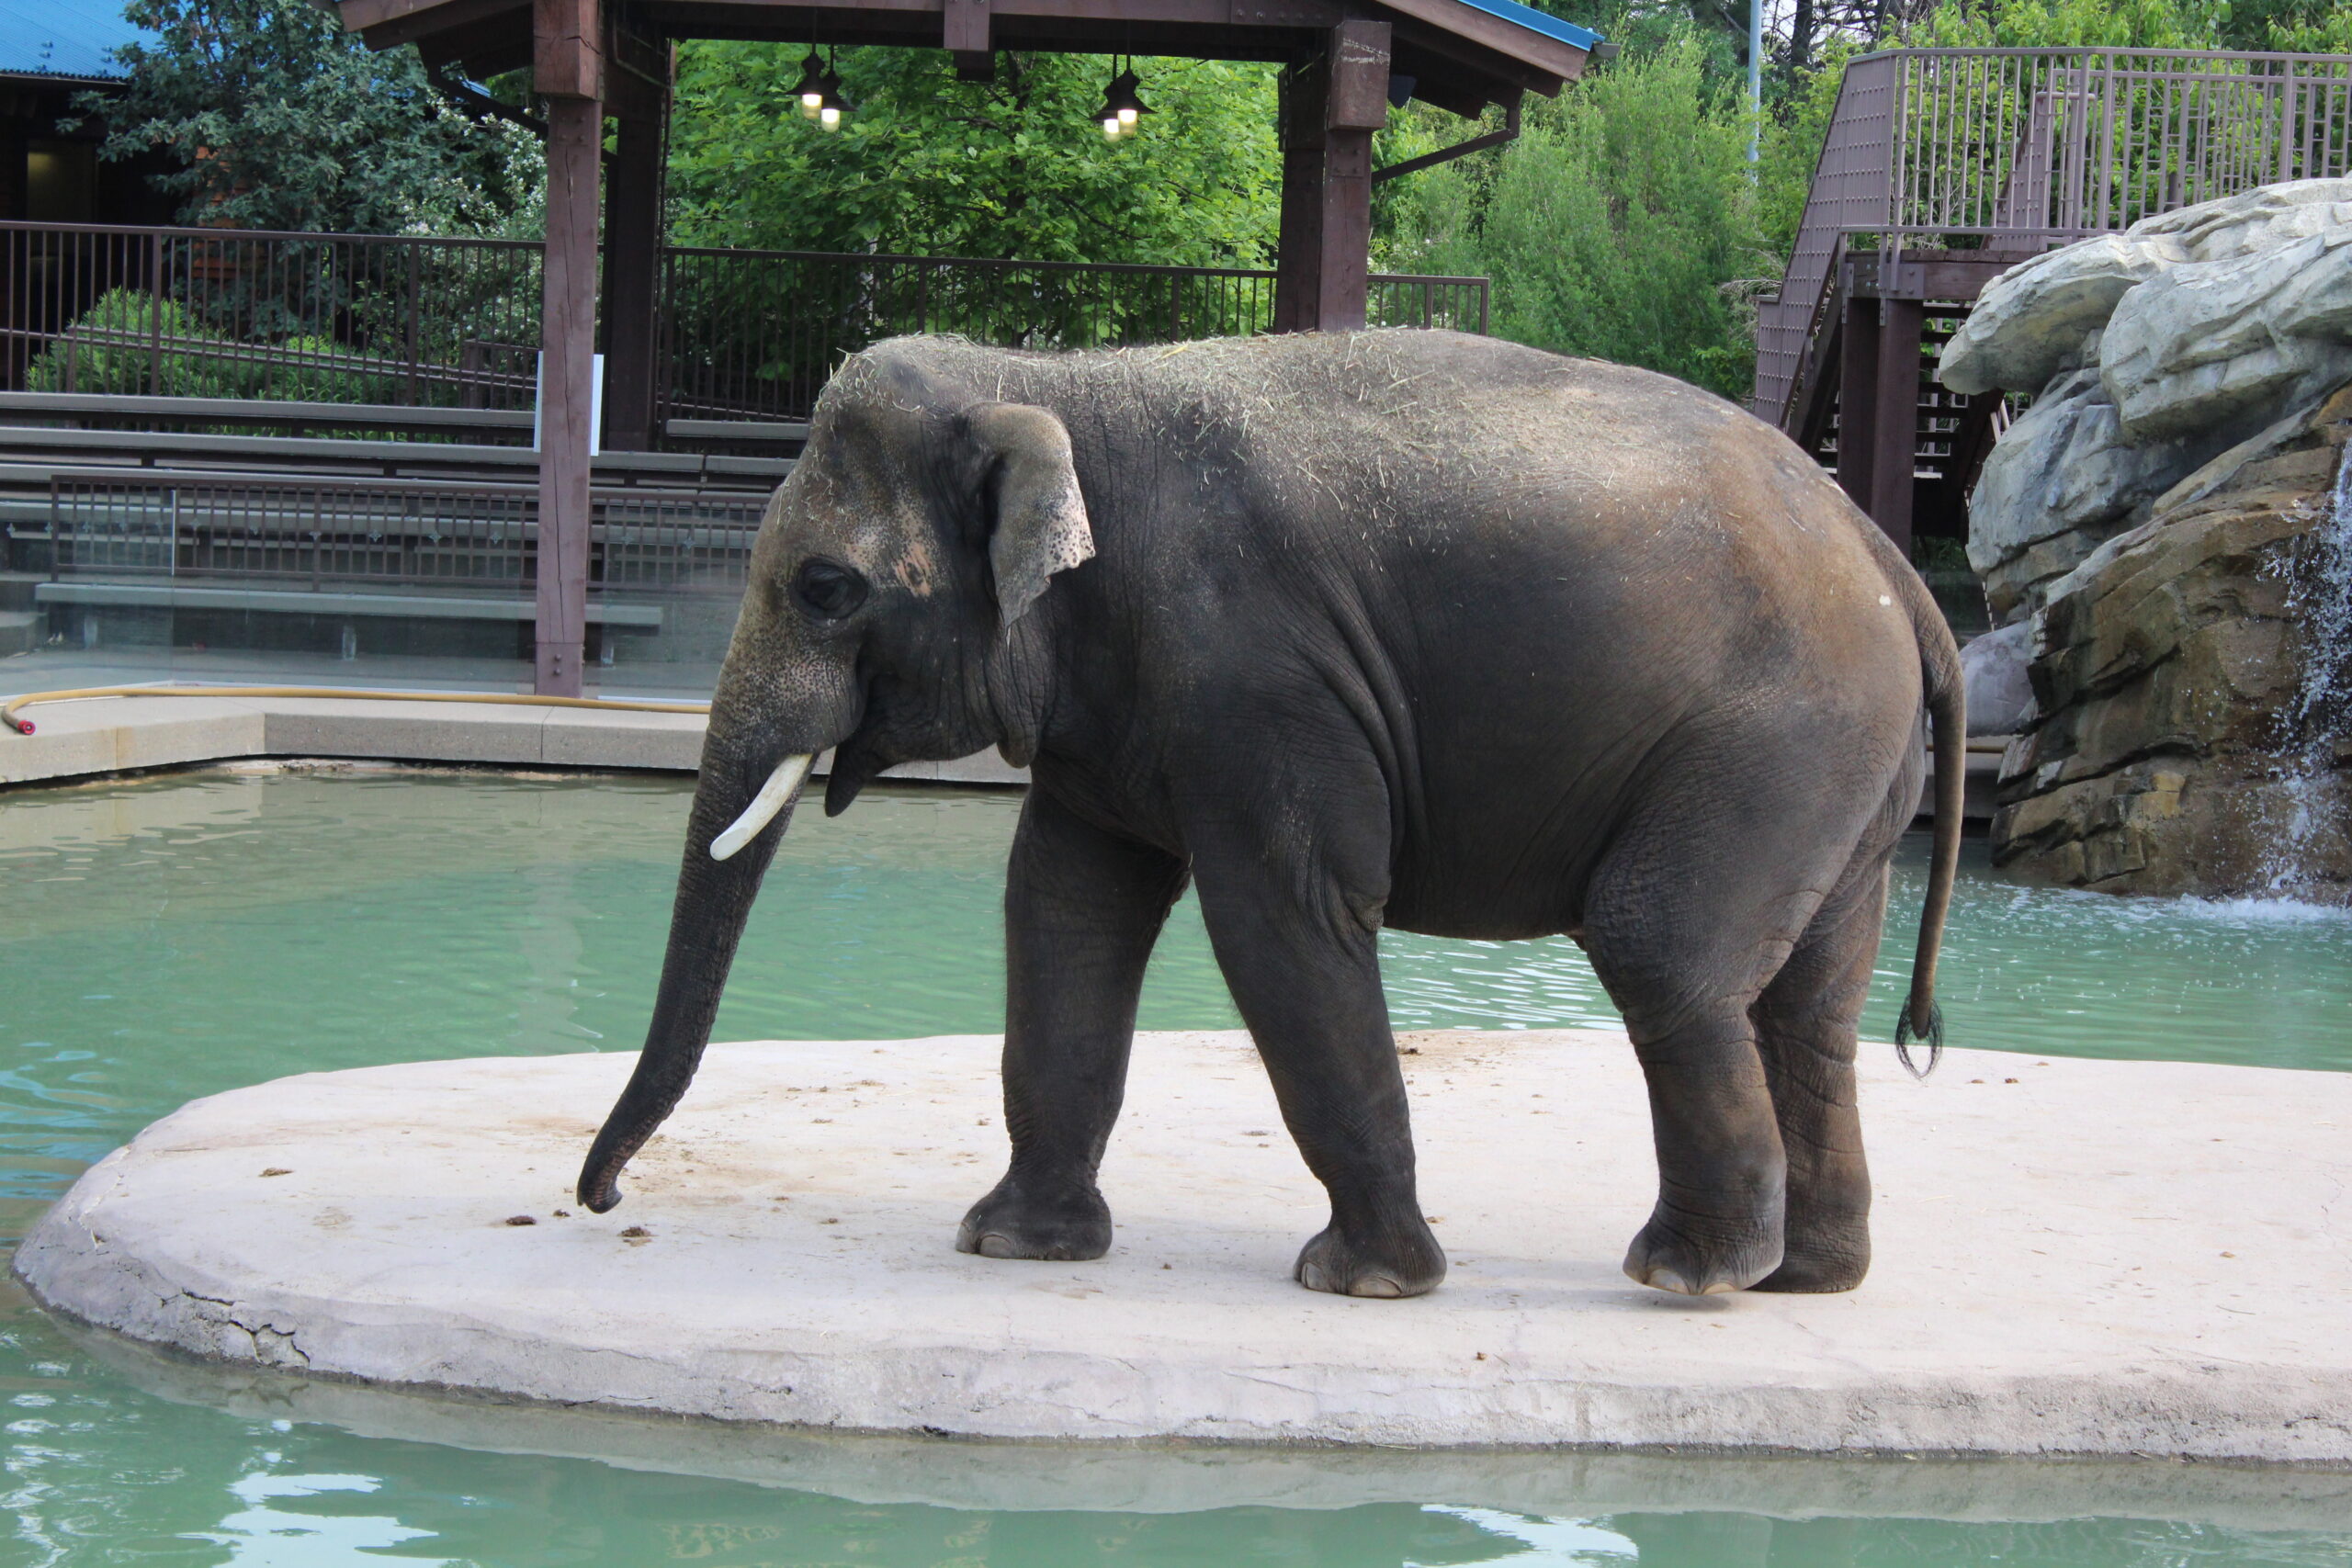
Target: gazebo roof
{"points": [[1462, 54]]}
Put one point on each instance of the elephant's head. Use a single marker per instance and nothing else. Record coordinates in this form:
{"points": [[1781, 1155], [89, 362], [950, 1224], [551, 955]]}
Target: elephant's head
{"points": [[888, 588]]}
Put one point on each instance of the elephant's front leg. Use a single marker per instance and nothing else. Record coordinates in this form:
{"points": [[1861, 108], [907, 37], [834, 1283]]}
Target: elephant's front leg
{"points": [[1082, 908], [1297, 937]]}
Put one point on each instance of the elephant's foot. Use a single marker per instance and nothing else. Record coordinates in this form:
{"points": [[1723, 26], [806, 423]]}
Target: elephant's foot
{"points": [[1712, 1259], [1823, 1256], [1406, 1260], [1064, 1224]]}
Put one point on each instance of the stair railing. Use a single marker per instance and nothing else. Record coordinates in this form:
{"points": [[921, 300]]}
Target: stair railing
{"points": [[2021, 149]]}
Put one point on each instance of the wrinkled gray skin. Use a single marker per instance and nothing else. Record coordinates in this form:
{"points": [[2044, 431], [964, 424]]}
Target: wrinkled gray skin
{"points": [[1399, 628]]}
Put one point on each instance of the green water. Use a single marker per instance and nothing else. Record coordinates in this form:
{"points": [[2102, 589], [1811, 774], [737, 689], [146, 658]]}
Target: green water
{"points": [[166, 939]]}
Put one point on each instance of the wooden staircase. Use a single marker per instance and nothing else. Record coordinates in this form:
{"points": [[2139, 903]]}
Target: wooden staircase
{"points": [[1944, 168]]}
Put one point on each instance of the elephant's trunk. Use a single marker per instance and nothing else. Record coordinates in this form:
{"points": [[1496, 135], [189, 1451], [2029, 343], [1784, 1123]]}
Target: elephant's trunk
{"points": [[727, 855]]}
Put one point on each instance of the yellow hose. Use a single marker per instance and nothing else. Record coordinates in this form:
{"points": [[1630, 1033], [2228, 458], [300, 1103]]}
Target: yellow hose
{"points": [[9, 710]]}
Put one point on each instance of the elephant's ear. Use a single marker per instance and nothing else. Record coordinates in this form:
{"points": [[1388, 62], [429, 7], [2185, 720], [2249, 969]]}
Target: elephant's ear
{"points": [[1041, 524]]}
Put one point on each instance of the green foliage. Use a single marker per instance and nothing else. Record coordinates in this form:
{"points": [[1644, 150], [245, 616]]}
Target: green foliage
{"points": [[1621, 224], [2293, 25], [1792, 147], [2057, 24], [132, 343], [280, 120], [929, 165]]}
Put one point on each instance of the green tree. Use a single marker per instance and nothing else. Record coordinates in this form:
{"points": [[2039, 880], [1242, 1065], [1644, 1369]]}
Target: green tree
{"points": [[1621, 224], [280, 120], [926, 164]]}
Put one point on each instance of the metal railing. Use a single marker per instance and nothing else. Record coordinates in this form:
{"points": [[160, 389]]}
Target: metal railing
{"points": [[322, 534], [2019, 148], [435, 321], [230, 313]]}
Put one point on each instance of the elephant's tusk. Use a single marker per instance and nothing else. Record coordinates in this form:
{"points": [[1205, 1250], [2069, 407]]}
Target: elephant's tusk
{"points": [[765, 805]]}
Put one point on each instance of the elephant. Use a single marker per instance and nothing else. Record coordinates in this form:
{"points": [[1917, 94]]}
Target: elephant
{"points": [[1402, 628]]}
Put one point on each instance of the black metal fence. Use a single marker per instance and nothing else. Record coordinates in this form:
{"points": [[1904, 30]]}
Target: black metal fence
{"points": [[446, 322], [222, 314]]}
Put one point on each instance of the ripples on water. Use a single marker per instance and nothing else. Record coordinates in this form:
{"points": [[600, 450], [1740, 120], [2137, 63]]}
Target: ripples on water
{"points": [[175, 937]]}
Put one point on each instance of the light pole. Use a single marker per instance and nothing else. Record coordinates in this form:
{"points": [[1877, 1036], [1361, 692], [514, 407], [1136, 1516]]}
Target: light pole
{"points": [[1756, 79]]}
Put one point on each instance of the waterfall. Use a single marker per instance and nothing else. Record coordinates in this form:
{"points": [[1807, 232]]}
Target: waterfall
{"points": [[2320, 599]]}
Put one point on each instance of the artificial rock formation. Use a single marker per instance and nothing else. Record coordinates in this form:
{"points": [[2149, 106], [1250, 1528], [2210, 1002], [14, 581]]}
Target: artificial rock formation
{"points": [[2175, 747], [2148, 353], [2157, 535]]}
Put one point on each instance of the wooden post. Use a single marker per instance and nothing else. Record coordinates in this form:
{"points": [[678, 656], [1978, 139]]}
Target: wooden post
{"points": [[633, 270], [1330, 107], [963, 33], [1893, 457], [568, 69], [1857, 398], [1298, 274], [1356, 105]]}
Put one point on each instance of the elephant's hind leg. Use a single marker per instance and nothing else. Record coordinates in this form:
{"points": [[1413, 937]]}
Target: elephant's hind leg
{"points": [[1686, 925], [1717, 1224], [1082, 911], [1805, 1024]]}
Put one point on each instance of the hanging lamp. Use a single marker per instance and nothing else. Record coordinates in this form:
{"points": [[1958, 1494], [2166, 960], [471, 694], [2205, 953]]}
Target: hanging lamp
{"points": [[811, 88], [1122, 109], [833, 104]]}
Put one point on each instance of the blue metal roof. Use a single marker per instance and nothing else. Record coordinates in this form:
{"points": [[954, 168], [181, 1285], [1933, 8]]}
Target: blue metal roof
{"points": [[1527, 16], [64, 38]]}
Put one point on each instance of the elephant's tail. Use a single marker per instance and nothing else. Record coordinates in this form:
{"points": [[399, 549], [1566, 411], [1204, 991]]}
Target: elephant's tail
{"points": [[1947, 698]]}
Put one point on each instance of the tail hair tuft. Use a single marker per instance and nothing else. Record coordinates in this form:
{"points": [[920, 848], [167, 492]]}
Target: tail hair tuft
{"points": [[1933, 1034]]}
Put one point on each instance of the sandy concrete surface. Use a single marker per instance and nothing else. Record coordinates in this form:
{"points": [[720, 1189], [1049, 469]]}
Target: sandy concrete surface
{"points": [[2074, 1256]]}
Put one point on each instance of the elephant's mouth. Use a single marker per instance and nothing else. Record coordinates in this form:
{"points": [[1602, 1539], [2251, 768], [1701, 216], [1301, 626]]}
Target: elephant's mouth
{"points": [[773, 796]]}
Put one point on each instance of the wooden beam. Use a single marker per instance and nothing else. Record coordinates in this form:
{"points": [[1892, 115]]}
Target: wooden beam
{"points": [[1547, 53], [1468, 100], [358, 16], [632, 275], [1954, 276], [1417, 41], [1858, 399], [963, 28], [1355, 105], [1895, 426], [565, 32], [568, 49], [461, 15], [1299, 249]]}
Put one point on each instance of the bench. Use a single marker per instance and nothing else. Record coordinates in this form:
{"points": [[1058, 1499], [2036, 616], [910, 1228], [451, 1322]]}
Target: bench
{"points": [[305, 602], [109, 408], [112, 407], [25, 449]]}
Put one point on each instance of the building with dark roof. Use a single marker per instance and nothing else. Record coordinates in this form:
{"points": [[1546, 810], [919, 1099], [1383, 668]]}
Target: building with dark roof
{"points": [[51, 51]]}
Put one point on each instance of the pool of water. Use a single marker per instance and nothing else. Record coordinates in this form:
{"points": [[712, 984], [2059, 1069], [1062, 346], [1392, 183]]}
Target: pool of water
{"points": [[164, 939]]}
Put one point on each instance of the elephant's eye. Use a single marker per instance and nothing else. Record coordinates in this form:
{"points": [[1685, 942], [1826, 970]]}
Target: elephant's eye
{"points": [[826, 591]]}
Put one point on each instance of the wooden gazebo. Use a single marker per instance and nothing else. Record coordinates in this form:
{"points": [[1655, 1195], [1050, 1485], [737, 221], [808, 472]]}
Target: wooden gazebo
{"points": [[1346, 61]]}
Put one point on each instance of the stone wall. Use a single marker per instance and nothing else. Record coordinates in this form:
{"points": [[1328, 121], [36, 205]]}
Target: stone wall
{"points": [[2165, 755], [2147, 353], [2151, 533]]}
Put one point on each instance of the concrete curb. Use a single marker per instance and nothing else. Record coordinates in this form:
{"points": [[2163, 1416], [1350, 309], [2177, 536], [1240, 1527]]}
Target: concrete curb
{"points": [[111, 735]]}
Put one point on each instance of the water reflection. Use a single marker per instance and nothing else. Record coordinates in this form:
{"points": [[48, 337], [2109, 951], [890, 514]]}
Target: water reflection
{"points": [[261, 1535]]}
